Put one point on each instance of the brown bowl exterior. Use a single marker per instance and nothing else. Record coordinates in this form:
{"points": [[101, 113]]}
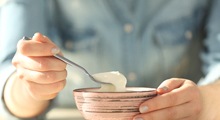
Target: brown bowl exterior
{"points": [[111, 105]]}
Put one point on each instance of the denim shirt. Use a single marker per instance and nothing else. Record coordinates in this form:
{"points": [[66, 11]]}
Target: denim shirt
{"points": [[146, 40]]}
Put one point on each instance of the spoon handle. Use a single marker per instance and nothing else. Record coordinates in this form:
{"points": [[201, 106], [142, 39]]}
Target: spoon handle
{"points": [[70, 62]]}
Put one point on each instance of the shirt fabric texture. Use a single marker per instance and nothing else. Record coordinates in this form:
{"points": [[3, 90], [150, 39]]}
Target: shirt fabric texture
{"points": [[146, 40]]}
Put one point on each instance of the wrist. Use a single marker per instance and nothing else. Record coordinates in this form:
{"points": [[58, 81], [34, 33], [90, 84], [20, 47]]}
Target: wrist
{"points": [[19, 101], [210, 93]]}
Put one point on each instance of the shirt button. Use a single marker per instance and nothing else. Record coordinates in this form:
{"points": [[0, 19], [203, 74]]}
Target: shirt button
{"points": [[128, 28], [188, 35], [69, 44], [132, 76]]}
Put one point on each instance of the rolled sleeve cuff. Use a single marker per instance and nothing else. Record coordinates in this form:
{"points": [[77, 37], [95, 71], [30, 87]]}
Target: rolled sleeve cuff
{"points": [[211, 77]]}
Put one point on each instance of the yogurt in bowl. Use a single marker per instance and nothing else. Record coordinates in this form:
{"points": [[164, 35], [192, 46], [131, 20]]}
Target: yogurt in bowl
{"points": [[117, 81], [112, 101]]}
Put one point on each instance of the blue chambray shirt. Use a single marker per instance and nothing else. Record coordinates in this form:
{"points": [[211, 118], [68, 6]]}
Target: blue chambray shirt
{"points": [[146, 40]]}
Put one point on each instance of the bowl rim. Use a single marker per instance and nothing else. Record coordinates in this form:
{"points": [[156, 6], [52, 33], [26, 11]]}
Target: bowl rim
{"points": [[78, 90]]}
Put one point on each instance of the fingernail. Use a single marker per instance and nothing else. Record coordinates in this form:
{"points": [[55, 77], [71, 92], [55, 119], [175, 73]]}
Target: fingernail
{"points": [[164, 88], [143, 109], [26, 38], [55, 50], [138, 118], [37, 33]]}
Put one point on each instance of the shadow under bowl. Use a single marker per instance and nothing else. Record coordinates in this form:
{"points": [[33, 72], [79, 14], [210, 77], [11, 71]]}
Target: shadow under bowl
{"points": [[95, 105]]}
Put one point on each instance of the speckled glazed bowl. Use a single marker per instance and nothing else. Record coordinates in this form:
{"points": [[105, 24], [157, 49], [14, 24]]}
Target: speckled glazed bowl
{"points": [[95, 105]]}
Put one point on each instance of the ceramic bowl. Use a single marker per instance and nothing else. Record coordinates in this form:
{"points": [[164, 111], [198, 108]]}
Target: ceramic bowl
{"points": [[95, 105]]}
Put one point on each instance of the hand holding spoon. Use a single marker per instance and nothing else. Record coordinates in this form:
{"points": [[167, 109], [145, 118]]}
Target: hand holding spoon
{"points": [[73, 64]]}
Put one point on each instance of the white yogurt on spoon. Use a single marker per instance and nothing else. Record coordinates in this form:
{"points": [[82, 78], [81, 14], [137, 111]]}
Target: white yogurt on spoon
{"points": [[117, 81]]}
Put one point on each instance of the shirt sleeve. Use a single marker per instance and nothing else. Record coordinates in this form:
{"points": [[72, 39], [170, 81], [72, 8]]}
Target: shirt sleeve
{"points": [[18, 18], [211, 56]]}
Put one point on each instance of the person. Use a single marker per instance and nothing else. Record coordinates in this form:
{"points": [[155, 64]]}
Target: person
{"points": [[173, 44]]}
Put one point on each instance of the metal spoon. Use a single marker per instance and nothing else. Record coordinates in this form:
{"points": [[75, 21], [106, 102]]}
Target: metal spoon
{"points": [[71, 63]]}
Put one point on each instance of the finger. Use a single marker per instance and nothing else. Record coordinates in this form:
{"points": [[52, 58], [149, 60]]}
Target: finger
{"points": [[178, 96], [44, 89], [44, 39], [33, 48], [38, 63], [189, 118], [41, 77], [38, 46], [172, 113], [169, 85], [44, 97]]}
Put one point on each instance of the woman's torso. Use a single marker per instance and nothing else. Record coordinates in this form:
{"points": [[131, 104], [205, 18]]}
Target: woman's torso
{"points": [[146, 40]]}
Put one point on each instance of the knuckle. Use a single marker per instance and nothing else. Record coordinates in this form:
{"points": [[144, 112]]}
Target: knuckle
{"points": [[41, 76], [49, 63], [22, 47], [43, 64], [20, 75], [50, 76], [56, 76], [15, 60], [15, 63], [44, 77]]}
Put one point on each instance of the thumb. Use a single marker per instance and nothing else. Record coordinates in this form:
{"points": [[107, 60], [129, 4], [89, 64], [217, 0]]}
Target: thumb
{"points": [[41, 38], [38, 45], [44, 39], [169, 85]]}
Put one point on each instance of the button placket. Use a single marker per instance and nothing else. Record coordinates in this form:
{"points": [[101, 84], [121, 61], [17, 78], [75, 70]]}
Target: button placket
{"points": [[69, 44], [132, 76], [188, 35]]}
